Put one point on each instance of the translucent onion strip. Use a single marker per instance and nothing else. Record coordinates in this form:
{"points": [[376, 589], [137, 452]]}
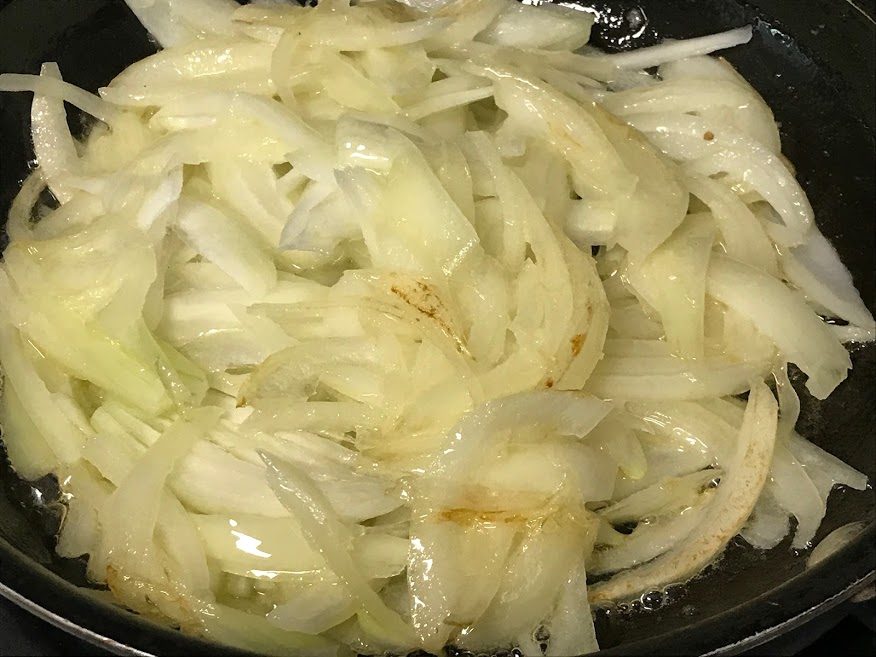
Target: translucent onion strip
{"points": [[673, 50], [797, 331], [730, 506], [55, 88]]}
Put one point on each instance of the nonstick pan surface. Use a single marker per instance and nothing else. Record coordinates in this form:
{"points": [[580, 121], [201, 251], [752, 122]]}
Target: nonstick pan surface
{"points": [[813, 61]]}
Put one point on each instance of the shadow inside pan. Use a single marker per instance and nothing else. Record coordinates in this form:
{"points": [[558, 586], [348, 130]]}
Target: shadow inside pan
{"points": [[820, 87]]}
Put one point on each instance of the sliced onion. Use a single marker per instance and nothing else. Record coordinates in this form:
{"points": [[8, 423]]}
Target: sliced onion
{"points": [[768, 524], [172, 22], [310, 298], [673, 50], [571, 626], [550, 27], [783, 317], [729, 508], [847, 334], [672, 281], [128, 550], [52, 87], [543, 561], [320, 528], [218, 238], [651, 538], [666, 496], [815, 268], [53, 145], [793, 490], [562, 412], [669, 378], [834, 542], [18, 222], [742, 235]]}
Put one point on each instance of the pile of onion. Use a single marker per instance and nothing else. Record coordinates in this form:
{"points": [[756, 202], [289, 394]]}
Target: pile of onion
{"points": [[313, 336]]}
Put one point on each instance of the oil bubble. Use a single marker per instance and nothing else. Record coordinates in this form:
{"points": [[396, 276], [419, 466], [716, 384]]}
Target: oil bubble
{"points": [[652, 600]]}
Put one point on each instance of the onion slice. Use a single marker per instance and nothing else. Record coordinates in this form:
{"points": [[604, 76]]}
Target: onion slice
{"points": [[782, 316], [54, 88], [321, 528], [815, 268], [731, 505], [669, 51]]}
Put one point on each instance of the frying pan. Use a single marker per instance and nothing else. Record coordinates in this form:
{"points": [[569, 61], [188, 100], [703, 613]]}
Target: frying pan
{"points": [[813, 61]]}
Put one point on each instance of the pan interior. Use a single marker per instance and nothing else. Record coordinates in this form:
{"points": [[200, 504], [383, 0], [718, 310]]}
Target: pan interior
{"points": [[820, 87]]}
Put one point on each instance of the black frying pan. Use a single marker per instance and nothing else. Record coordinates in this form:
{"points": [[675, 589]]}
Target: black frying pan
{"points": [[813, 60]]}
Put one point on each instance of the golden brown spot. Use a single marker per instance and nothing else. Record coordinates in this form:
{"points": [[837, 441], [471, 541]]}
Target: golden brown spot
{"points": [[709, 136], [577, 343], [424, 298], [469, 517], [549, 383], [424, 305]]}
